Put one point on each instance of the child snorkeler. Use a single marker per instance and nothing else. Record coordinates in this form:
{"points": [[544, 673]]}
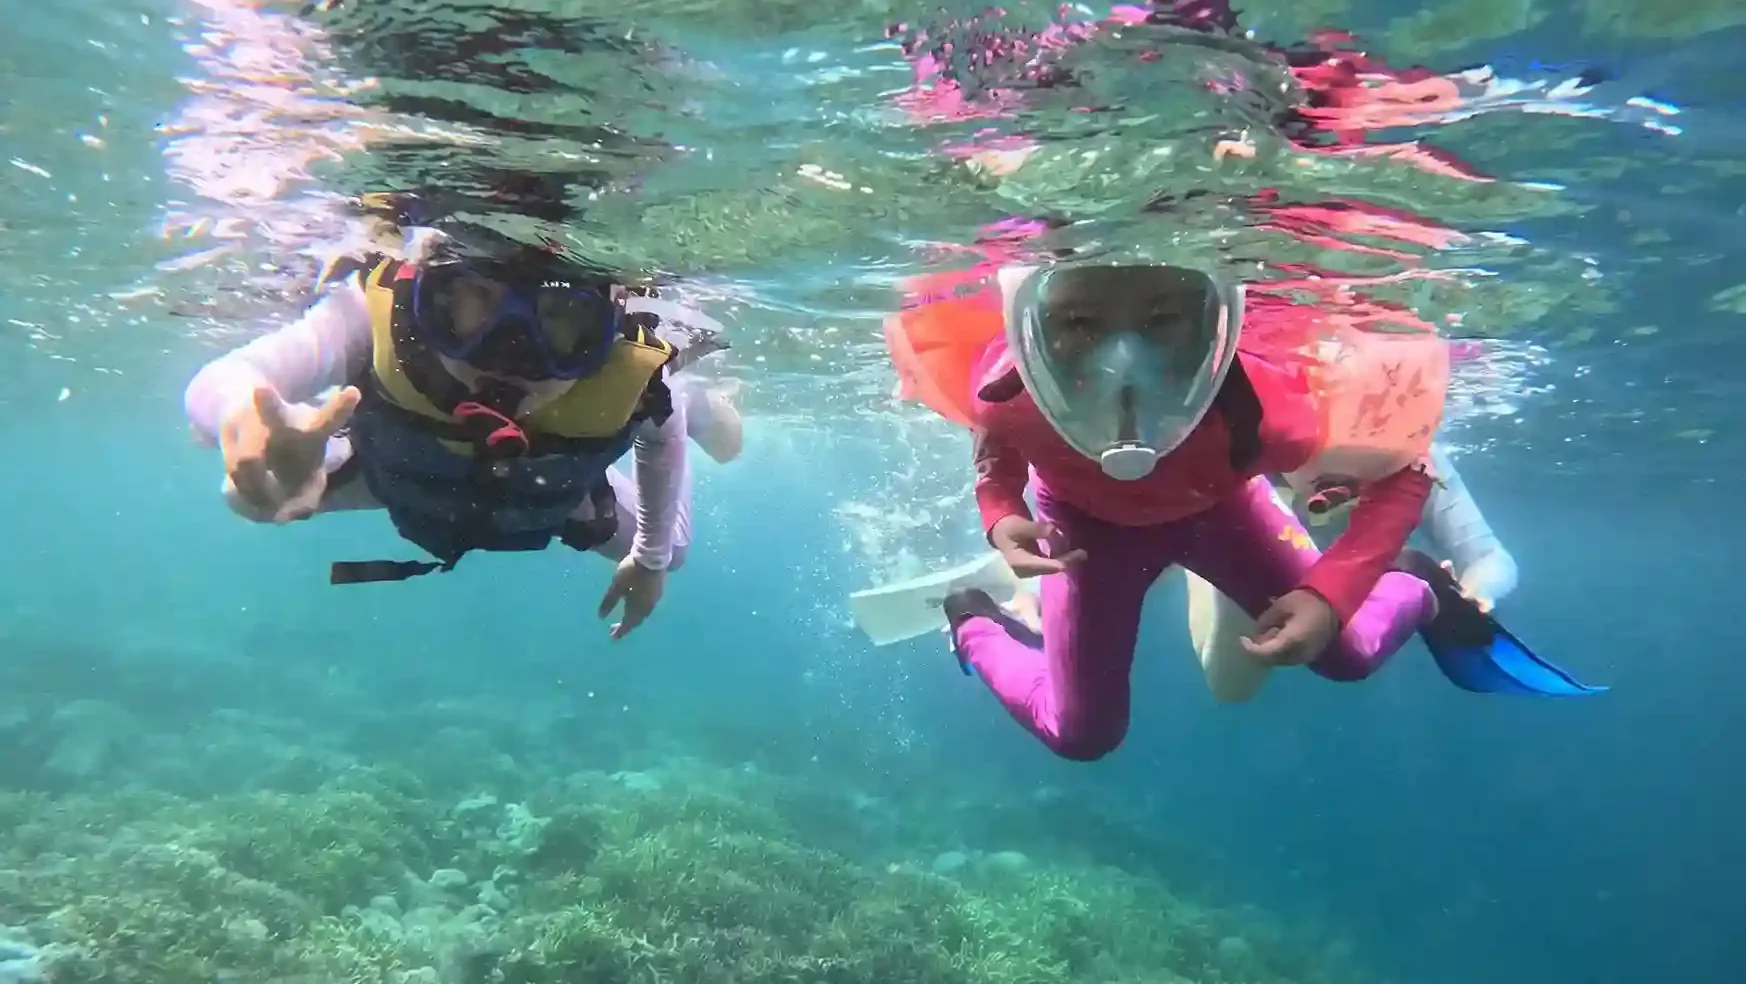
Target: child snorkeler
{"points": [[1120, 395]]}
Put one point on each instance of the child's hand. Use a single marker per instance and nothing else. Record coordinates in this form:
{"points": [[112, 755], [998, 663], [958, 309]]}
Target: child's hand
{"points": [[1293, 630], [273, 452], [1020, 540], [639, 588]]}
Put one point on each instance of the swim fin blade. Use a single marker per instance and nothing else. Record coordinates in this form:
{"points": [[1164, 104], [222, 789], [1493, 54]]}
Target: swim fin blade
{"points": [[1478, 654], [895, 612]]}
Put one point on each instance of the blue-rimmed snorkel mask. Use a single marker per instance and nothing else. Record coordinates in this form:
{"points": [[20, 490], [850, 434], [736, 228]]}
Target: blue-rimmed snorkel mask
{"points": [[524, 324], [1122, 361]]}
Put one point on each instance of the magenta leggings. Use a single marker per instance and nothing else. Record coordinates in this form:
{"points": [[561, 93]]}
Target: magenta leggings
{"points": [[1071, 691]]}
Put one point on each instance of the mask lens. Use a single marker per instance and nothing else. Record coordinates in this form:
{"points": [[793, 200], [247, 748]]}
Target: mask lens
{"points": [[574, 322], [543, 331], [509, 349], [1117, 383], [1118, 364], [434, 295], [1121, 359]]}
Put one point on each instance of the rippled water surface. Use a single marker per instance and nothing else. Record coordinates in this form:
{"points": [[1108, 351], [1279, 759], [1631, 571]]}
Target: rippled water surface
{"points": [[1516, 174]]}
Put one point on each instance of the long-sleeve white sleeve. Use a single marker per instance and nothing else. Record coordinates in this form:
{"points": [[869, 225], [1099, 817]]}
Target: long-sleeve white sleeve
{"points": [[660, 480], [1458, 529]]}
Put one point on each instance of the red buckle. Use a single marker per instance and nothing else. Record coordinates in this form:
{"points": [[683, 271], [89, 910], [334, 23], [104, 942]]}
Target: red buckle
{"points": [[505, 437]]}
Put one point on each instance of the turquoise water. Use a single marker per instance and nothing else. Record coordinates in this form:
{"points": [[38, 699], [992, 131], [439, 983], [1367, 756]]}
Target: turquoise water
{"points": [[216, 767]]}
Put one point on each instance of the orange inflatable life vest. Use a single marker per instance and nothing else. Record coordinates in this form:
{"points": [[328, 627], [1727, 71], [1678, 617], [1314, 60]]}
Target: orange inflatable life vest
{"points": [[1379, 395], [935, 339]]}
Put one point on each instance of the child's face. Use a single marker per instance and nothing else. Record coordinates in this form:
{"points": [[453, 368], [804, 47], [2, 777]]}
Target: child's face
{"points": [[472, 301], [1087, 306]]}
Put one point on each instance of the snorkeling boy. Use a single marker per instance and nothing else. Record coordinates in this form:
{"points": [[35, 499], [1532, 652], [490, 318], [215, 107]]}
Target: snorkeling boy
{"points": [[481, 397]]}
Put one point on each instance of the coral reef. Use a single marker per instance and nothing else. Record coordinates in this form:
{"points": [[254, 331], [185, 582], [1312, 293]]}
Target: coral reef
{"points": [[240, 819], [685, 873]]}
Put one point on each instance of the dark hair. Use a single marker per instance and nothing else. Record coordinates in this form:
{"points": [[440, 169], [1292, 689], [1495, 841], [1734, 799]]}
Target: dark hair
{"points": [[512, 261], [543, 198]]}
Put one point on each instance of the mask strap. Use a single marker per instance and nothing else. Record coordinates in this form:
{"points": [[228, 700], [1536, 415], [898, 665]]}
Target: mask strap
{"points": [[1241, 408], [1002, 388]]}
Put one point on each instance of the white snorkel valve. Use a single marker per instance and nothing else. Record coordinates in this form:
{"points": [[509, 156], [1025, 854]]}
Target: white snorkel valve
{"points": [[1129, 461]]}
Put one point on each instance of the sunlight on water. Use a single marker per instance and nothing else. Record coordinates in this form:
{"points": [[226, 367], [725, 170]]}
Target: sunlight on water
{"points": [[689, 188], [864, 161]]}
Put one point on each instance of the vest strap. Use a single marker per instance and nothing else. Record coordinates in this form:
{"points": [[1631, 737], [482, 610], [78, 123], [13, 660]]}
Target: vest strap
{"points": [[579, 535], [380, 571], [1241, 407], [539, 443]]}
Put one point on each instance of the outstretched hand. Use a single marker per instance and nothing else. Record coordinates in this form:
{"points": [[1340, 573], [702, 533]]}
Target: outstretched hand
{"points": [[274, 453]]}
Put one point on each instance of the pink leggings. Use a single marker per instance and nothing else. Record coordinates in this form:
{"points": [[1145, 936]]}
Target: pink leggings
{"points": [[1071, 690]]}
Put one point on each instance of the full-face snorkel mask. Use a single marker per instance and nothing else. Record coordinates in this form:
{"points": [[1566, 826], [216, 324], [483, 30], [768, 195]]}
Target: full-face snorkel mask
{"points": [[1125, 362]]}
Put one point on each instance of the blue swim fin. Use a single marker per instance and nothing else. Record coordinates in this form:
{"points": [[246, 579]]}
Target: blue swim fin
{"points": [[1476, 653]]}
